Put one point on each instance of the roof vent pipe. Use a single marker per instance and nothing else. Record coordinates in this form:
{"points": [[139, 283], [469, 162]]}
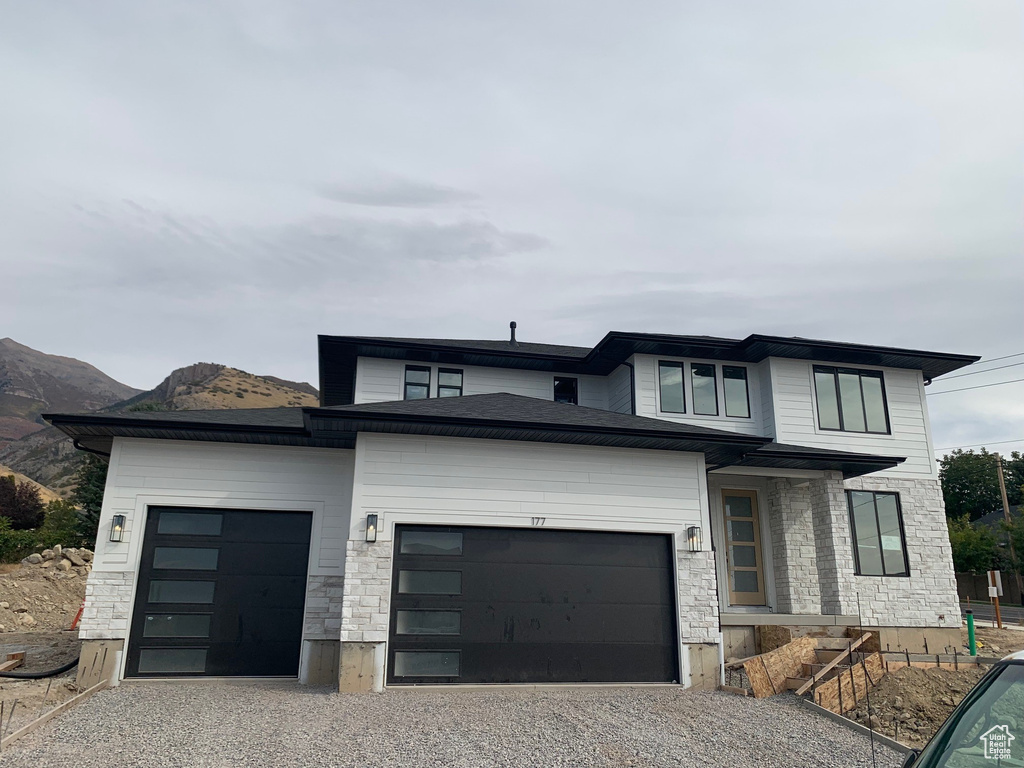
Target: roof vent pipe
{"points": [[512, 340]]}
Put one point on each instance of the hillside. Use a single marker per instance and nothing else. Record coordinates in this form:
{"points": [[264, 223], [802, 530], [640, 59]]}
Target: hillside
{"points": [[45, 493], [48, 457], [32, 382]]}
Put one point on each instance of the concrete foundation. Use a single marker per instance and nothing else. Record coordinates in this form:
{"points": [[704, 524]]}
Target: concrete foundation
{"points": [[320, 662], [361, 667], [705, 669], [98, 660]]}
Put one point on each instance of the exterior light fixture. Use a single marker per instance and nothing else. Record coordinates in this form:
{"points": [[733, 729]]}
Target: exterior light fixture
{"points": [[693, 537], [117, 528], [371, 528]]}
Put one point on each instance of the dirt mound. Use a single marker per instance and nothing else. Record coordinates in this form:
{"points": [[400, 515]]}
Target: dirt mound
{"points": [[44, 594], [910, 704]]}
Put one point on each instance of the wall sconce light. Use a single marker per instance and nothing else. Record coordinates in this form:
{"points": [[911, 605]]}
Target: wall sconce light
{"points": [[117, 528], [693, 537], [371, 528]]}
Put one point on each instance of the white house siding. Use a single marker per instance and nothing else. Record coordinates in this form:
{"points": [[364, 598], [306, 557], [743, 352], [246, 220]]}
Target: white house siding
{"points": [[620, 390], [193, 474], [430, 480], [647, 395], [796, 417], [382, 380]]}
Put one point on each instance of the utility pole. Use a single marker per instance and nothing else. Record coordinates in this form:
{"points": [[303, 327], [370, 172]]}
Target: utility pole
{"points": [[1009, 522]]}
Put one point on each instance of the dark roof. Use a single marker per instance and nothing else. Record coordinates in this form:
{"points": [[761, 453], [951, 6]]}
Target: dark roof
{"points": [[338, 354], [784, 456], [995, 519], [499, 416]]}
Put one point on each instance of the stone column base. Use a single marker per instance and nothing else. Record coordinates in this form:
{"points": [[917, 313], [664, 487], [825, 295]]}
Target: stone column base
{"points": [[98, 660], [361, 667]]}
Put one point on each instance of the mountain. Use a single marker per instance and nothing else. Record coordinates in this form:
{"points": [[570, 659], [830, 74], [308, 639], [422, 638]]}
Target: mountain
{"points": [[45, 493], [48, 457], [32, 382]]}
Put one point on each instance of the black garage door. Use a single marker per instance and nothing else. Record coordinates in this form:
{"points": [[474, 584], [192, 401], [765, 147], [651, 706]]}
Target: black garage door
{"points": [[500, 605], [221, 592]]}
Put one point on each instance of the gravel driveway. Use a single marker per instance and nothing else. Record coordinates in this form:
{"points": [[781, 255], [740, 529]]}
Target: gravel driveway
{"points": [[214, 724]]}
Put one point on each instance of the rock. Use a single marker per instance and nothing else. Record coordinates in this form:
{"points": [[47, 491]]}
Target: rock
{"points": [[64, 565], [47, 563], [56, 550], [874, 723], [34, 558], [85, 554], [5, 604], [898, 702], [3, 628], [70, 554], [26, 619], [20, 609], [47, 554]]}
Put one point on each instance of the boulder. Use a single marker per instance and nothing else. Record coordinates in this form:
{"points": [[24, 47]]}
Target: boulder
{"points": [[64, 565], [85, 554], [26, 619], [47, 554], [72, 555], [33, 559], [56, 550]]}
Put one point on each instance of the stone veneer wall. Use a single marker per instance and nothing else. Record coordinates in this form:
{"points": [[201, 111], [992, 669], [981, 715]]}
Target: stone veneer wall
{"points": [[367, 598], [108, 600], [698, 597], [795, 564], [833, 546], [928, 598], [324, 600]]}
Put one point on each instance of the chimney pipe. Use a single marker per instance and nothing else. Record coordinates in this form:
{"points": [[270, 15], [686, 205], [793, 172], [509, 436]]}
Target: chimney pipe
{"points": [[512, 341]]}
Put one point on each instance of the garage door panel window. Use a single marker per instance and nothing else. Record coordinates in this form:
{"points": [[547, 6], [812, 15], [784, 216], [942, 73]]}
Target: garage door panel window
{"points": [[430, 582], [177, 625], [171, 591], [428, 622], [172, 661], [186, 558], [427, 663], [189, 524], [431, 543]]}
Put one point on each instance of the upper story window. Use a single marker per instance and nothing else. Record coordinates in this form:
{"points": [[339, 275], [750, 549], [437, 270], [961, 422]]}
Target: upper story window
{"points": [[737, 397], [566, 390], [880, 548], [417, 382], [850, 400], [449, 382], [670, 380], [705, 389]]}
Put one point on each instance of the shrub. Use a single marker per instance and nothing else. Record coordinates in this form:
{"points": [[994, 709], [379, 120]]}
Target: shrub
{"points": [[14, 545], [20, 504]]}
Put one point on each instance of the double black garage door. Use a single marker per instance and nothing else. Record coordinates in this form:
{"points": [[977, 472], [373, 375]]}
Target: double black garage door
{"points": [[500, 605]]}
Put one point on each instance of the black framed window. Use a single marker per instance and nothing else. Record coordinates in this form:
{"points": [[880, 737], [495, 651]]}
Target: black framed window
{"points": [[566, 390], [417, 382], [705, 389], [737, 397], [851, 400], [879, 543], [670, 381], [449, 382]]}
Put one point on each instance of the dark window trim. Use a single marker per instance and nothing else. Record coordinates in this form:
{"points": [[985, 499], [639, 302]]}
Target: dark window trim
{"points": [[405, 379], [714, 377], [554, 387], [860, 372], [441, 386], [682, 384], [746, 389], [878, 532]]}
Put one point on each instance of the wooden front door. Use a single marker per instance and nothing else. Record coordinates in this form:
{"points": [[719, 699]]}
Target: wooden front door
{"points": [[744, 566]]}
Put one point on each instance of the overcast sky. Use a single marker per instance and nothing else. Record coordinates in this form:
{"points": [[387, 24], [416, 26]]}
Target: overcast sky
{"points": [[221, 181]]}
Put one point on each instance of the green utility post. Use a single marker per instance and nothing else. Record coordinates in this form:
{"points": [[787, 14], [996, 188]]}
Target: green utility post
{"points": [[970, 633]]}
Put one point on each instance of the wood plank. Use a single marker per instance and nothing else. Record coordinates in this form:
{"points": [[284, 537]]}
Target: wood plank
{"points": [[767, 673], [818, 675], [27, 729], [734, 689], [13, 660], [792, 683]]}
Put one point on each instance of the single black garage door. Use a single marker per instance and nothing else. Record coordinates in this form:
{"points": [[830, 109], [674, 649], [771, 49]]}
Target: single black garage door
{"points": [[221, 592], [502, 605]]}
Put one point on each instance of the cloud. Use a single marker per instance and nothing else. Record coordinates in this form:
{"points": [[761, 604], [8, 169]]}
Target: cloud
{"points": [[395, 193]]}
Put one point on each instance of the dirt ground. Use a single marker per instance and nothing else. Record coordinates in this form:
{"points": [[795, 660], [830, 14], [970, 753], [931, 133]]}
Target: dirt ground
{"points": [[37, 605], [996, 642]]}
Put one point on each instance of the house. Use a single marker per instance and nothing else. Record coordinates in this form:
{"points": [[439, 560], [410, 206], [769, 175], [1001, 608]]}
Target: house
{"points": [[501, 512]]}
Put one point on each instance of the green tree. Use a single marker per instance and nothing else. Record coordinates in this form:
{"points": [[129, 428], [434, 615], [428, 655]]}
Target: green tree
{"points": [[970, 483], [975, 548], [90, 480], [20, 503], [1013, 473]]}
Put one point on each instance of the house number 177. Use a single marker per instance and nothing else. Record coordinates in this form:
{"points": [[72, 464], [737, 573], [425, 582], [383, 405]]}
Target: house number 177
{"points": [[535, 521]]}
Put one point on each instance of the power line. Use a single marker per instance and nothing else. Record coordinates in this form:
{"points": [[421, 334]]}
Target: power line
{"points": [[987, 370], [979, 386], [976, 445], [994, 359]]}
